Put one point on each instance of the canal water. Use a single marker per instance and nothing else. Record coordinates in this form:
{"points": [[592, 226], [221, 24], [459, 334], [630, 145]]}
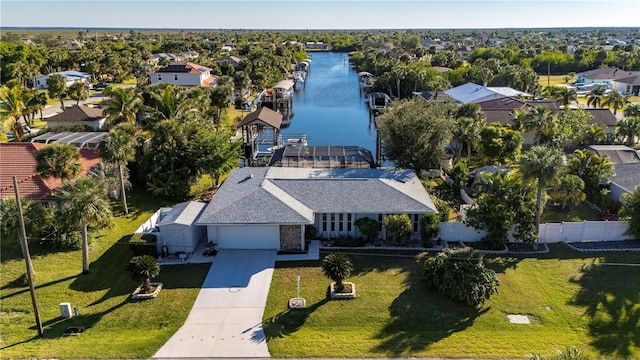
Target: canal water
{"points": [[329, 106]]}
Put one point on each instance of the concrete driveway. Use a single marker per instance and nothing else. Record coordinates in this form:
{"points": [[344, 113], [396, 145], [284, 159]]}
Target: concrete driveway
{"points": [[226, 318]]}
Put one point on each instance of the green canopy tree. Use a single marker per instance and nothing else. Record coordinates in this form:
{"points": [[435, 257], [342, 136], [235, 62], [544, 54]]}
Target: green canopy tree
{"points": [[57, 88], [215, 152], [414, 133], [78, 91], [84, 202], [119, 148], [61, 161], [498, 144]]}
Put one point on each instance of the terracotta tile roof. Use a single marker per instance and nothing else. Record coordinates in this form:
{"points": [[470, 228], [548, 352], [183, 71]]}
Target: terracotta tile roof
{"points": [[19, 160], [78, 113], [183, 67], [211, 81]]}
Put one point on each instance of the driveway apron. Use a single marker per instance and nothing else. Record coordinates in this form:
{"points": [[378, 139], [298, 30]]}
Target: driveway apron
{"points": [[226, 318]]}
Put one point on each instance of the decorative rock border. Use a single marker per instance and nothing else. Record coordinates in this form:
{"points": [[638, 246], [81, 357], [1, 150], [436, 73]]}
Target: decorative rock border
{"points": [[137, 296], [600, 249], [335, 295]]}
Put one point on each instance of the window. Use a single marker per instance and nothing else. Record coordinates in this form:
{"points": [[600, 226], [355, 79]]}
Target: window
{"points": [[324, 222], [333, 222], [159, 77], [349, 222], [340, 222], [416, 219], [380, 221], [175, 77]]}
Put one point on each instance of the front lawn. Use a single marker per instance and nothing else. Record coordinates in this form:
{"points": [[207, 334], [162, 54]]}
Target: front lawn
{"points": [[115, 326], [590, 305]]}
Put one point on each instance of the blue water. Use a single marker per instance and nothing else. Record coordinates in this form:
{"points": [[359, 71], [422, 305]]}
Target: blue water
{"points": [[329, 107]]}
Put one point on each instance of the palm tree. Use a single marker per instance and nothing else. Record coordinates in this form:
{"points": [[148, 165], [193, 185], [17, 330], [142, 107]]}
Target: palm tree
{"points": [[628, 130], [61, 161], [142, 269], [78, 91], [592, 168], [632, 111], [11, 107], [570, 190], [594, 134], [540, 164], [615, 100], [469, 122], [537, 119], [118, 148], [337, 267], [84, 202], [595, 96], [566, 95], [123, 104]]}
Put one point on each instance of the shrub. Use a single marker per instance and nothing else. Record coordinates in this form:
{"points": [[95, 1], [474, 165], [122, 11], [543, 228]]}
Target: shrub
{"points": [[67, 241], [443, 209], [143, 244], [367, 227], [348, 241], [461, 275], [337, 267], [429, 228], [310, 232], [399, 226], [142, 269]]}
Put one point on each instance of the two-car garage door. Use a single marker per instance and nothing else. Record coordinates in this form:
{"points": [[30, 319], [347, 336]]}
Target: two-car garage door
{"points": [[248, 237]]}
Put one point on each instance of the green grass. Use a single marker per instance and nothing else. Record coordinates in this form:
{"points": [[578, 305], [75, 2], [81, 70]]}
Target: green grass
{"points": [[576, 213], [592, 307], [552, 80], [116, 327]]}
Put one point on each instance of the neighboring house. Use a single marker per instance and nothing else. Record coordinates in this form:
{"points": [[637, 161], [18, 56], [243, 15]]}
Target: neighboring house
{"points": [[19, 160], [72, 44], [475, 93], [503, 110], [90, 140], [627, 82], [626, 162], [269, 207], [234, 60], [185, 74], [317, 45], [163, 57], [72, 77], [79, 115]]}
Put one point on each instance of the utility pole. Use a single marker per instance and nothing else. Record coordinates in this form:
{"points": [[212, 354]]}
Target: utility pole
{"points": [[548, 73], [27, 258]]}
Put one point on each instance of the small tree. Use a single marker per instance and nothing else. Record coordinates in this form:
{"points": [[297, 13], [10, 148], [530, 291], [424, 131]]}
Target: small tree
{"points": [[399, 226], [337, 267], [429, 228], [631, 212], [142, 269], [367, 227], [461, 275], [57, 87]]}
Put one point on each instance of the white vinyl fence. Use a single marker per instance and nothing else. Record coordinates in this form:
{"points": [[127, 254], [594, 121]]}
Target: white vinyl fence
{"points": [[549, 233], [148, 225]]}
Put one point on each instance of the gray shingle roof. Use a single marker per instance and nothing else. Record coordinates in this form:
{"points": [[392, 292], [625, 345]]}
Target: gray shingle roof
{"points": [[627, 176], [183, 213], [292, 195]]}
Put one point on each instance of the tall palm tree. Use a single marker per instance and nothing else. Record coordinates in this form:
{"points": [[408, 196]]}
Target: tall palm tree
{"points": [[628, 130], [615, 100], [118, 148], [61, 161], [84, 202], [11, 107], [596, 96], [469, 122], [123, 105], [540, 164], [534, 119], [337, 267], [57, 87], [570, 190]]}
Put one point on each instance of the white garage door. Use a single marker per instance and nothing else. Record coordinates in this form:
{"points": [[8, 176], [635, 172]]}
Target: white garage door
{"points": [[249, 237]]}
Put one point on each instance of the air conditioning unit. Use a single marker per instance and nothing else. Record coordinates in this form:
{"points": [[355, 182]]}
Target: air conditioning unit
{"points": [[65, 310]]}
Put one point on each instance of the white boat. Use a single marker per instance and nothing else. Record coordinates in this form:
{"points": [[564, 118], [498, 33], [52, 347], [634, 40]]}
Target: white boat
{"points": [[365, 79]]}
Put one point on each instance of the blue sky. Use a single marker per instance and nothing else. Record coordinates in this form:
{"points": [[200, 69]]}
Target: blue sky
{"points": [[320, 14]]}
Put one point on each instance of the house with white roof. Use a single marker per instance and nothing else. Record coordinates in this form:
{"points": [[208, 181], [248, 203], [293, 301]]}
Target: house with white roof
{"points": [[184, 74], [269, 207], [71, 77], [474, 93]]}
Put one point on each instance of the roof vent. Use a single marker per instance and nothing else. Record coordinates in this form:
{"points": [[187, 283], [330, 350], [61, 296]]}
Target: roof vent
{"points": [[250, 176]]}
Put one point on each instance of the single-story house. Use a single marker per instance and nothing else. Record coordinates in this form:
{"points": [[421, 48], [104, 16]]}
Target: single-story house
{"points": [[627, 82], [79, 115], [474, 93], [185, 74], [234, 60], [19, 160], [626, 163], [72, 77], [617, 154], [269, 207], [176, 230]]}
